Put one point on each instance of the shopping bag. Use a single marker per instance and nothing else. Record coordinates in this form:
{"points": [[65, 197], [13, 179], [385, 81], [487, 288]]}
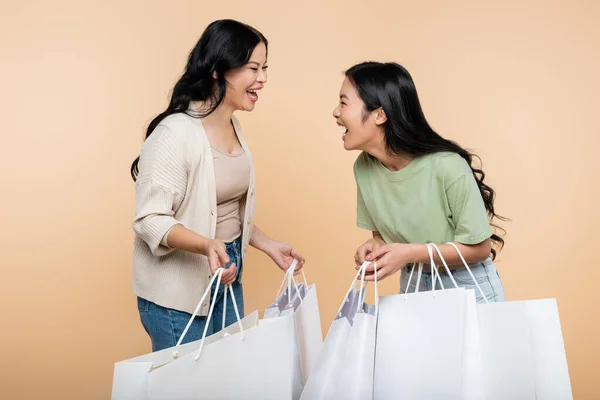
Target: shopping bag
{"points": [[344, 369], [130, 377], [254, 363], [522, 343], [473, 377], [304, 307], [420, 344]]}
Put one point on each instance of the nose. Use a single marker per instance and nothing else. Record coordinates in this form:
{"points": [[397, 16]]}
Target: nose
{"points": [[336, 112], [262, 76]]}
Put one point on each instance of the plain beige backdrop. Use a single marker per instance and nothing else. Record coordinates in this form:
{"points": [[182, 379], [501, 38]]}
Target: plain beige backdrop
{"points": [[515, 81]]}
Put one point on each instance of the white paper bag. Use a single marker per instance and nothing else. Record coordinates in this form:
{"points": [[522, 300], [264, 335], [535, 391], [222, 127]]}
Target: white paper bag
{"points": [[522, 343], [257, 363], [130, 377], [259, 366], [344, 369], [419, 348], [304, 307], [473, 377]]}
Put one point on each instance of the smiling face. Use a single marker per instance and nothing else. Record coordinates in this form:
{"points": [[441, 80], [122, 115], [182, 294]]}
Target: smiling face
{"points": [[244, 84], [361, 128]]}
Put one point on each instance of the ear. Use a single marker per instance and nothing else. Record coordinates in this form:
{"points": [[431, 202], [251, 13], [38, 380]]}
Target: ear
{"points": [[379, 116], [214, 75]]}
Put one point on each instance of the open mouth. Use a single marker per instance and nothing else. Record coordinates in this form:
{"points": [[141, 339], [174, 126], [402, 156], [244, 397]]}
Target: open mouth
{"points": [[253, 94], [345, 130]]}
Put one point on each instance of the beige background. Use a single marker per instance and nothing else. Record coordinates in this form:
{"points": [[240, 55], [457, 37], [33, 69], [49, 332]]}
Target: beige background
{"points": [[517, 82]]}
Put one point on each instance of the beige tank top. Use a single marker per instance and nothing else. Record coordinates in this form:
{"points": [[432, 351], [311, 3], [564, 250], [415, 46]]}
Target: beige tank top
{"points": [[232, 176]]}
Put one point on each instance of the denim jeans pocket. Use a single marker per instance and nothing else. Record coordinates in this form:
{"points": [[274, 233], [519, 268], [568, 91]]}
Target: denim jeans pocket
{"points": [[143, 305], [479, 271]]}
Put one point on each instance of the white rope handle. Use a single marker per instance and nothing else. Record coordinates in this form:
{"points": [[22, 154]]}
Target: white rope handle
{"points": [[419, 273], [436, 275], [210, 312], [468, 270], [289, 277], [433, 267], [224, 307], [194, 314], [361, 300], [235, 307], [353, 285], [437, 249]]}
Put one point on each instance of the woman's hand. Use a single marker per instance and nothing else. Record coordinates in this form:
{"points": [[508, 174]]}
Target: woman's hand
{"points": [[216, 252], [367, 248], [283, 255], [390, 259]]}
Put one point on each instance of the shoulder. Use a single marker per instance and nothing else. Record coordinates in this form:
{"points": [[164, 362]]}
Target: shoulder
{"points": [[180, 126], [450, 166]]}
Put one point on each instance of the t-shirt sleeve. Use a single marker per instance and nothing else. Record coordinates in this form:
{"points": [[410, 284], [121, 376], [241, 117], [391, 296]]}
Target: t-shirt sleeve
{"points": [[363, 217], [468, 211]]}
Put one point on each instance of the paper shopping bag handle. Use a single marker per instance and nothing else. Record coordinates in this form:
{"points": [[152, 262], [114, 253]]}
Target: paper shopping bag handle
{"points": [[289, 278], [361, 273], [216, 276], [437, 249]]}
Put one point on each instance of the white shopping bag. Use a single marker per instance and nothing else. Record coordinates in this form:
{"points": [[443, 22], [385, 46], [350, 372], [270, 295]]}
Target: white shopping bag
{"points": [[256, 363], [344, 369], [522, 344], [473, 377], [130, 377], [304, 307], [420, 344]]}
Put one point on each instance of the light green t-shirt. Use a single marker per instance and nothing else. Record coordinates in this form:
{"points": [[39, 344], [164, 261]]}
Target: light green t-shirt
{"points": [[435, 198]]}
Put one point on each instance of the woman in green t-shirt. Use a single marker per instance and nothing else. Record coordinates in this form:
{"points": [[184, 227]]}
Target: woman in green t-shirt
{"points": [[414, 186]]}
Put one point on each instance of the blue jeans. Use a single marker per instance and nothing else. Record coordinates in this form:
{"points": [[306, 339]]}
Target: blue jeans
{"points": [[484, 272], [165, 325]]}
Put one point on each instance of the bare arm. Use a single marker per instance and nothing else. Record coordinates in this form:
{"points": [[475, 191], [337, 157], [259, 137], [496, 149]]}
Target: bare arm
{"points": [[392, 257], [281, 253], [471, 253], [259, 240]]}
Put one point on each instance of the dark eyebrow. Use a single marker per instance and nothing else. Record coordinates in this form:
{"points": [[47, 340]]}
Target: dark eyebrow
{"points": [[255, 62], [343, 96]]}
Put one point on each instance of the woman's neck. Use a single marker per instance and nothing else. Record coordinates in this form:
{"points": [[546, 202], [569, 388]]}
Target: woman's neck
{"points": [[393, 162], [218, 119]]}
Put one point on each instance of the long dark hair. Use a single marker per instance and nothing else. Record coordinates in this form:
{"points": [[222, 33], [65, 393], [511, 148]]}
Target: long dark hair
{"points": [[406, 131], [224, 45]]}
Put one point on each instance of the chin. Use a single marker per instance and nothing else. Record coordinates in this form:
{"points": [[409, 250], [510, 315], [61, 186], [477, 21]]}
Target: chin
{"points": [[248, 107]]}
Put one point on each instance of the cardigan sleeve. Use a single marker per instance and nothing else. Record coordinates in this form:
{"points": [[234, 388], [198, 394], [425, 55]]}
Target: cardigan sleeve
{"points": [[160, 187]]}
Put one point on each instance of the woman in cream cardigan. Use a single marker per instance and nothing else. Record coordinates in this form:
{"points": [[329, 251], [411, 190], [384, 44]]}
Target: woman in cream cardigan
{"points": [[195, 193]]}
